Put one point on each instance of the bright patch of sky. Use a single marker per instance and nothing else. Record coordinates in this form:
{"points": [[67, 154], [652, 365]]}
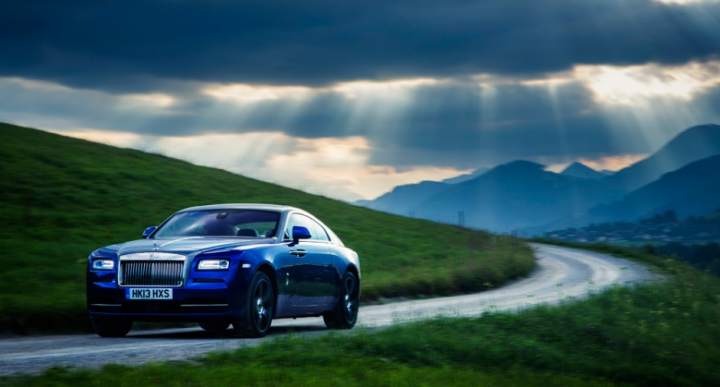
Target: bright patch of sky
{"points": [[613, 163], [610, 163], [154, 100], [244, 93], [373, 89], [625, 85]]}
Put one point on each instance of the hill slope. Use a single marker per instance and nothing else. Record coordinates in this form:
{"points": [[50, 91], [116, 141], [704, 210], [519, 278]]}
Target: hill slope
{"points": [[64, 197], [695, 143], [675, 188], [469, 176], [691, 190]]}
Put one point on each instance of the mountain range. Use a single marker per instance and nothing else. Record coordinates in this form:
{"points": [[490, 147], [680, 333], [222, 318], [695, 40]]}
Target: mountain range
{"points": [[691, 190], [693, 144], [683, 175]]}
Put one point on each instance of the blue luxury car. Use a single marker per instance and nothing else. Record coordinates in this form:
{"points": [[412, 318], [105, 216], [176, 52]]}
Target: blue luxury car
{"points": [[239, 264]]}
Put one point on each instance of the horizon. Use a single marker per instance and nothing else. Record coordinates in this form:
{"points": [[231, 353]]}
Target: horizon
{"points": [[617, 164], [351, 101], [554, 168]]}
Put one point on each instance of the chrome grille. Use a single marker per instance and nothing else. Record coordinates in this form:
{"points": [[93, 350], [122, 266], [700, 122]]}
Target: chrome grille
{"points": [[151, 273]]}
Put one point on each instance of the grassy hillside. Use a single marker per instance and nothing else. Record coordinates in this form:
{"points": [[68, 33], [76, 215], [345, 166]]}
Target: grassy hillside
{"points": [[661, 334], [62, 198]]}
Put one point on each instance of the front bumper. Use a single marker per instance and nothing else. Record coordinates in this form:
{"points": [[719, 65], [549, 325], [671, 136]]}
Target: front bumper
{"points": [[194, 302]]}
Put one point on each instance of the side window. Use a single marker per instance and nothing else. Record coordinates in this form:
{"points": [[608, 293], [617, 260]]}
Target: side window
{"points": [[299, 220], [320, 233]]}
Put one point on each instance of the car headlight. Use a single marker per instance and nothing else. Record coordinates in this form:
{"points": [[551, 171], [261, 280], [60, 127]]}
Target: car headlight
{"points": [[214, 264], [103, 264]]}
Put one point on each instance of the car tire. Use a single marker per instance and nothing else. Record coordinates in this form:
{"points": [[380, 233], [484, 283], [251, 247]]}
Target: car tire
{"points": [[111, 328], [212, 326], [345, 314], [259, 308]]}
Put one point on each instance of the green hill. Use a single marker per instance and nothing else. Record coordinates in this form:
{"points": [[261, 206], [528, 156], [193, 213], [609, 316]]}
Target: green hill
{"points": [[62, 198]]}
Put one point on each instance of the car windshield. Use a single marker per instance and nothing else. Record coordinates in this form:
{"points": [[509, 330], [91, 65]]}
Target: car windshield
{"points": [[226, 223]]}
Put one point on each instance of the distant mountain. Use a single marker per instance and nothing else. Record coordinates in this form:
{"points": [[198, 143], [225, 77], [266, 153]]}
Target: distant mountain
{"points": [[469, 176], [691, 190], [522, 195], [608, 172], [582, 171], [513, 196], [404, 198], [695, 143]]}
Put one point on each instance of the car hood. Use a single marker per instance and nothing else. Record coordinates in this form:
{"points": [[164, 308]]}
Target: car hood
{"points": [[186, 246]]}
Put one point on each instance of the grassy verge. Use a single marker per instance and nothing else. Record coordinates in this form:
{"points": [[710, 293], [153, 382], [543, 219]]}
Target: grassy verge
{"points": [[353, 372], [62, 198], [657, 334]]}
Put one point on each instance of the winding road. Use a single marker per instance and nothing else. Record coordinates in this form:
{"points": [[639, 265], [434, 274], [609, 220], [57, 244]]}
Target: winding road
{"points": [[562, 274]]}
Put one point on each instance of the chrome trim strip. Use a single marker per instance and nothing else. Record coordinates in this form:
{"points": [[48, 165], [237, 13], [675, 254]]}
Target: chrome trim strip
{"points": [[152, 256], [201, 305]]}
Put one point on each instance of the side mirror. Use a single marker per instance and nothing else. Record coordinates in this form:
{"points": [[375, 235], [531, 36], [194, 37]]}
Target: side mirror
{"points": [[149, 231], [300, 232]]}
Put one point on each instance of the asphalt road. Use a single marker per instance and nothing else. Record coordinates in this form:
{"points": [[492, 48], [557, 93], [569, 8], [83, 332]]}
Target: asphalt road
{"points": [[562, 274]]}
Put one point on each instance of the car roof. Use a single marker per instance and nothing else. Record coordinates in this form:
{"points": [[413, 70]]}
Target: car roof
{"points": [[264, 207], [244, 206]]}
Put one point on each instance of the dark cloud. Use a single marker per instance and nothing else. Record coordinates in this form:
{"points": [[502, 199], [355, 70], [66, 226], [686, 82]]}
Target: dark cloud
{"points": [[105, 50], [134, 45], [448, 125]]}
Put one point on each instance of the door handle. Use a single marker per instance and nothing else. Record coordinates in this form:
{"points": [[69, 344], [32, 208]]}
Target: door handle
{"points": [[298, 253]]}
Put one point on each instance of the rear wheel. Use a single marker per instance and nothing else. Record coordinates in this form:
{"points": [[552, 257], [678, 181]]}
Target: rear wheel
{"points": [[214, 326], [259, 308], [344, 316], [111, 328]]}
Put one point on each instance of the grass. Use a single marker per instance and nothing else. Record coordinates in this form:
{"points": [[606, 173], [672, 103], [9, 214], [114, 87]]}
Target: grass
{"points": [[62, 198], [354, 372], [664, 333]]}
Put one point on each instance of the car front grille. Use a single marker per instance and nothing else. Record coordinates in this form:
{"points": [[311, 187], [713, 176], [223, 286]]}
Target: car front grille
{"points": [[151, 273]]}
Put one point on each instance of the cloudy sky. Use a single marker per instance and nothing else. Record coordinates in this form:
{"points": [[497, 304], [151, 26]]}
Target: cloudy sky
{"points": [[350, 98]]}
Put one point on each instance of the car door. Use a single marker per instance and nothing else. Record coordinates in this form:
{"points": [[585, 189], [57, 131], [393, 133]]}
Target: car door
{"points": [[311, 285]]}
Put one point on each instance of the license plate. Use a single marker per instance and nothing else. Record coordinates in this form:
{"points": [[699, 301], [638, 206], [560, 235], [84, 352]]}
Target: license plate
{"points": [[149, 294]]}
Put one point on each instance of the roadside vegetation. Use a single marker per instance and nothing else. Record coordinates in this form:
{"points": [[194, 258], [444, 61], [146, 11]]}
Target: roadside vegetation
{"points": [[693, 240], [62, 198], [662, 333]]}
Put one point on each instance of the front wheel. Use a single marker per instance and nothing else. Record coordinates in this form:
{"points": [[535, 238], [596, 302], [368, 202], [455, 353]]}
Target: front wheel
{"points": [[111, 328], [259, 308], [345, 314]]}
